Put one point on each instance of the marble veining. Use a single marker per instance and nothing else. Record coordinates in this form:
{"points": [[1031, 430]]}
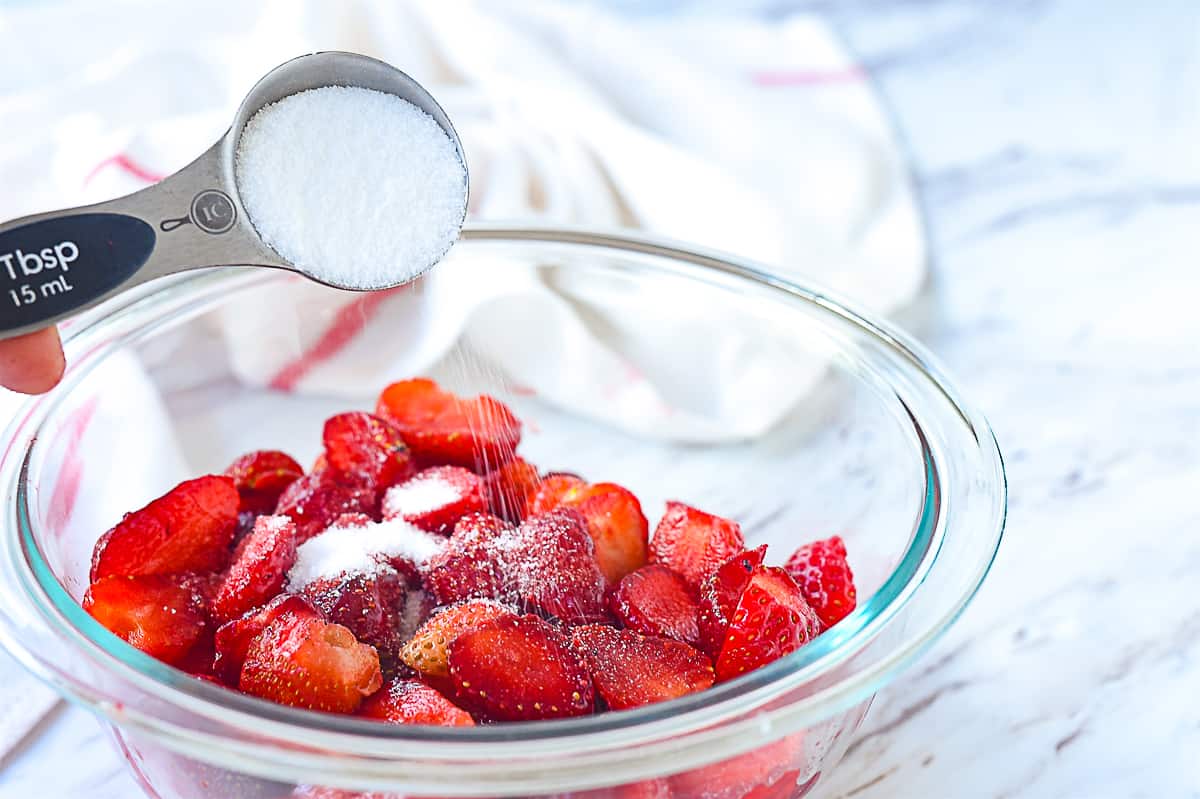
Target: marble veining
{"points": [[1055, 143]]}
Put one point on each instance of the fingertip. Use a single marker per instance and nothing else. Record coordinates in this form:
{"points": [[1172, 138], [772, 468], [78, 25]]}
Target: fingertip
{"points": [[33, 363]]}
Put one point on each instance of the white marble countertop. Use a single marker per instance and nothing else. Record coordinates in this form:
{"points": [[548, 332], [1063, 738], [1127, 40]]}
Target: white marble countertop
{"points": [[1057, 145]]}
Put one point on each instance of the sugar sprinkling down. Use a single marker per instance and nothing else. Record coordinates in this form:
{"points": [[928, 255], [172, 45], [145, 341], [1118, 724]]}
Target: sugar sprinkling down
{"points": [[418, 496], [355, 187], [364, 549]]}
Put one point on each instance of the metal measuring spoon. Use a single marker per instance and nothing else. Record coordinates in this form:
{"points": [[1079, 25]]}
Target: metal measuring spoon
{"points": [[56, 264]]}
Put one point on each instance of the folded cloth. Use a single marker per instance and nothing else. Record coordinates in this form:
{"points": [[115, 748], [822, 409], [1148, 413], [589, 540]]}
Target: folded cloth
{"points": [[759, 138]]}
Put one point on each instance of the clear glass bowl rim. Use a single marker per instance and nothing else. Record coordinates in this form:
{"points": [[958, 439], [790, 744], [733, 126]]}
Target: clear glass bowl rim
{"points": [[695, 713]]}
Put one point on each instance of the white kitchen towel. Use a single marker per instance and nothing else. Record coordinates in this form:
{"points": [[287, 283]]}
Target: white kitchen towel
{"points": [[760, 138]]}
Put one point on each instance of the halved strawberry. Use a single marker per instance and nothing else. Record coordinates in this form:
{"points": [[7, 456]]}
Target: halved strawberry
{"points": [[753, 774], [309, 663], [556, 571], [368, 605], [617, 526], [204, 585], [476, 563], [510, 489], [435, 499], [198, 661], [413, 702], [316, 500], [259, 568], [367, 447], [772, 620], [519, 669], [656, 601], [554, 490], [261, 476], [428, 650], [694, 543], [233, 638], [825, 579], [189, 529], [479, 433], [720, 594], [152, 612], [630, 670]]}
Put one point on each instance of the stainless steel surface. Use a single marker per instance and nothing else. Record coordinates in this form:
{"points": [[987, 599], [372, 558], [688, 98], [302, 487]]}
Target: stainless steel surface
{"points": [[190, 211]]}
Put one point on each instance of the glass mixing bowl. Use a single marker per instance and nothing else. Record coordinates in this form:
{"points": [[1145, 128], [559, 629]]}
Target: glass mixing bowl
{"points": [[874, 444]]}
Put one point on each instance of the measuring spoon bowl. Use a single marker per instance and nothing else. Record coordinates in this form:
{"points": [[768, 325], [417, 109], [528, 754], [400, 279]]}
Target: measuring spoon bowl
{"points": [[56, 264]]}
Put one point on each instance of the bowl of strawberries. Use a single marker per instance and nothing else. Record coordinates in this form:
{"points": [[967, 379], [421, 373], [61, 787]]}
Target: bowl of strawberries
{"points": [[506, 573]]}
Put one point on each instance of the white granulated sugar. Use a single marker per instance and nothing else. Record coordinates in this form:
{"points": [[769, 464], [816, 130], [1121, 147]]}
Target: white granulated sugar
{"points": [[418, 496], [356, 188], [273, 524], [363, 549]]}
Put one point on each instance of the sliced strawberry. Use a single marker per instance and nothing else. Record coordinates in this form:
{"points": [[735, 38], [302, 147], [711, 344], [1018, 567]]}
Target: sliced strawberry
{"points": [[203, 585], [772, 620], [617, 526], [519, 669], [694, 543], [369, 605], [367, 447], [316, 500], [479, 433], [259, 568], [547, 564], [630, 670], [510, 489], [189, 529], [261, 476], [741, 776], [412, 702], [435, 499], [233, 638], [309, 663], [476, 563], [825, 579], [554, 491], [198, 661], [428, 650], [557, 573], [151, 612], [656, 601], [614, 519], [720, 594]]}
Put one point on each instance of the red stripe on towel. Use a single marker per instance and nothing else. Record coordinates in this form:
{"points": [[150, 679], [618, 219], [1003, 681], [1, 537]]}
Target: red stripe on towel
{"points": [[347, 324], [70, 473], [127, 165]]}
